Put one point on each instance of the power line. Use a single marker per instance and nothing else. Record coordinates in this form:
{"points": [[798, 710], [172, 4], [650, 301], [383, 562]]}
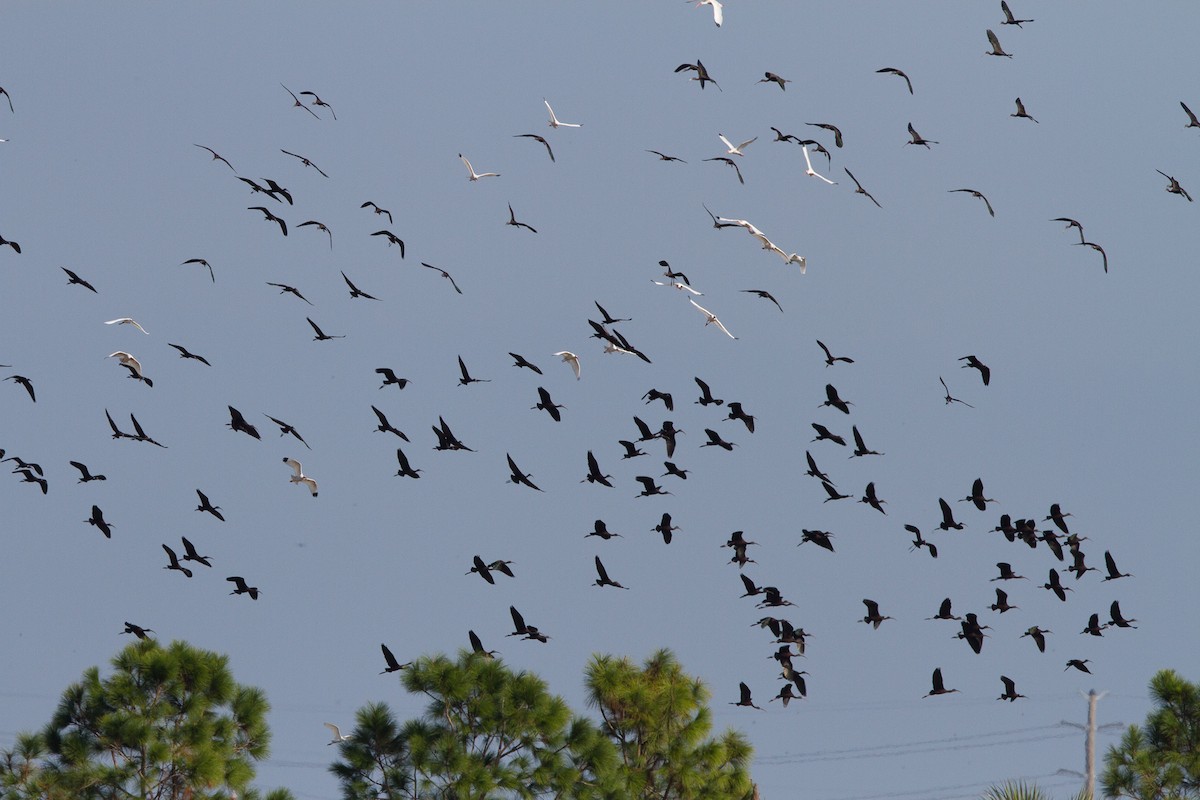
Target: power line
{"points": [[883, 748]]}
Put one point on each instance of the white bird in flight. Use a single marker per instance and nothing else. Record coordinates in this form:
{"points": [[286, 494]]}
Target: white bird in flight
{"points": [[127, 360], [718, 13], [810, 171], [554, 122], [338, 736], [474, 176], [127, 321], [683, 287], [736, 151], [300, 477], [711, 318], [571, 359]]}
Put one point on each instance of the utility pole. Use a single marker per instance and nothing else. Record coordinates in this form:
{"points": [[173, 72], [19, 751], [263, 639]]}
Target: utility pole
{"points": [[1090, 729]]}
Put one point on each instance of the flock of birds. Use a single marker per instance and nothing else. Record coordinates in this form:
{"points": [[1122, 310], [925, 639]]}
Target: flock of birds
{"points": [[1059, 547]]}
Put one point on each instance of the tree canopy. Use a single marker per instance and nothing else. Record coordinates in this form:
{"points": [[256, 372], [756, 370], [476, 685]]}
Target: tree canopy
{"points": [[169, 723], [1160, 760]]}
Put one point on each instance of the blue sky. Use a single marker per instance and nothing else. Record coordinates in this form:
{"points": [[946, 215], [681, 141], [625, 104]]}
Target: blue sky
{"points": [[1090, 402]]}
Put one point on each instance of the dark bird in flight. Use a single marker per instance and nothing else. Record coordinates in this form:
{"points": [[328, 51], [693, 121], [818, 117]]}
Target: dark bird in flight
{"points": [[860, 448], [1173, 186], [1072, 223], [871, 499], [706, 397], [537, 138], [737, 413], [858, 188], [297, 102], [512, 220], [1009, 19], [1094, 627], [780, 136], [466, 378], [1010, 686], [771, 77], [821, 539], [824, 434], [406, 470], [185, 353], [944, 611], [444, 274], [600, 529], [136, 630], [1079, 664], [1020, 112], [948, 517], [996, 50], [238, 423], [205, 505], [241, 587], [269, 217], [392, 239], [390, 379], [523, 630], [274, 189], [649, 487], [974, 363], [140, 435], [190, 554], [919, 541], [701, 73], [665, 157], [1099, 250], [29, 477], [631, 449], [894, 71], [837, 134], [520, 361], [16, 247], [873, 616], [85, 474], [833, 493], [665, 397], [217, 156], [518, 477], [608, 318], [1110, 566], [477, 646], [765, 295], [316, 101], [1192, 121], [1058, 518], [603, 580], [939, 686], [21, 379], [1078, 566], [744, 697], [386, 427], [1001, 603], [320, 226], [918, 139], [355, 291], [544, 403], [595, 474], [1055, 585], [978, 194], [1006, 572], [732, 163], [321, 336], [23, 464], [97, 521], [446, 438], [1116, 620], [715, 440], [306, 162], [832, 399], [285, 429], [371, 205], [830, 358], [1038, 635], [972, 631], [393, 665], [665, 527], [950, 398], [175, 565], [785, 694], [202, 262], [285, 289], [72, 278], [976, 496], [481, 569]]}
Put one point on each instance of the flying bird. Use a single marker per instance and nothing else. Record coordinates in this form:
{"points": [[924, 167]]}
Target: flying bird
{"points": [[765, 295], [217, 156], [523, 630], [837, 133], [873, 617], [444, 274], [744, 698], [916, 138], [538, 138], [174, 562], [603, 580], [298, 477], [190, 554], [830, 358], [731, 149], [1110, 566], [16, 247], [238, 422], [665, 527], [477, 646], [355, 291], [390, 379], [297, 102], [601, 530], [1072, 223], [285, 429], [520, 361], [85, 475], [512, 220], [1055, 585], [1020, 112], [1010, 686], [870, 498], [392, 239], [321, 336], [824, 434], [976, 496], [136, 630], [406, 470], [649, 486], [205, 505], [473, 175], [374, 207], [730, 162], [997, 50], [948, 517], [285, 289], [1079, 664], [1192, 121], [466, 378], [711, 318], [1116, 620], [126, 321], [305, 161], [950, 399], [1009, 19], [554, 121], [97, 521], [1001, 603], [570, 358], [241, 587], [920, 541], [859, 188], [978, 194], [517, 477], [129, 361], [23, 381], [1173, 187], [544, 403], [717, 9], [701, 73], [393, 664], [832, 399], [72, 278], [860, 448], [938, 686], [894, 71], [1038, 635], [809, 171], [771, 77], [974, 363], [269, 217], [320, 226], [1099, 250], [386, 427]]}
